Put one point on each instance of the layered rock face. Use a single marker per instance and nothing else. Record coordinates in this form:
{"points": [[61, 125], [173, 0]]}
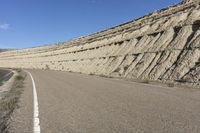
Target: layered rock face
{"points": [[163, 45]]}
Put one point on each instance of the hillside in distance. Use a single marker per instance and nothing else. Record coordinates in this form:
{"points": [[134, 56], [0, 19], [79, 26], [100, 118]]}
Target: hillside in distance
{"points": [[4, 50], [161, 46]]}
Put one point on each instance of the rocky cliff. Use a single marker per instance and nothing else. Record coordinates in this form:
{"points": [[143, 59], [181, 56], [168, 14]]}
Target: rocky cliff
{"points": [[162, 46]]}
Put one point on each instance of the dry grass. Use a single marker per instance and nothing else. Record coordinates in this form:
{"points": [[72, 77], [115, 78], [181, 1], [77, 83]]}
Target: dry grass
{"points": [[9, 101], [145, 81], [170, 84], [91, 74], [47, 67], [19, 77], [105, 76]]}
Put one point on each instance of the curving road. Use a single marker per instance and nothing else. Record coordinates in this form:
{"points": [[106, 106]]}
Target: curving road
{"points": [[5, 74], [75, 103]]}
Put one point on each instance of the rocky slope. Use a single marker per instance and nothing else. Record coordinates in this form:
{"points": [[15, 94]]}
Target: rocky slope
{"points": [[162, 46], [3, 50]]}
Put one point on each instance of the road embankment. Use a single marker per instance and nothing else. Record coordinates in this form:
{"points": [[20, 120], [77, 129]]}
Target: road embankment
{"points": [[10, 91]]}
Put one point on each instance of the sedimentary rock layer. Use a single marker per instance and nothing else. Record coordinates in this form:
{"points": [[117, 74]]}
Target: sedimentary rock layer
{"points": [[163, 45]]}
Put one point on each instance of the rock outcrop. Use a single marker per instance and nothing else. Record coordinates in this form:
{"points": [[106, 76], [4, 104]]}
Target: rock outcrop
{"points": [[162, 46]]}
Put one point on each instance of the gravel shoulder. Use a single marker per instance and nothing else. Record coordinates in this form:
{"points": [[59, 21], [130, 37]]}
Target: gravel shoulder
{"points": [[10, 92]]}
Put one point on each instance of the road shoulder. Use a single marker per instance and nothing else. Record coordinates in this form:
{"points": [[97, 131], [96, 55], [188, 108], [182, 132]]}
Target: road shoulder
{"points": [[21, 120]]}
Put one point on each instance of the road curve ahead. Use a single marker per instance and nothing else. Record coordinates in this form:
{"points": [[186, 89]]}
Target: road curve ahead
{"points": [[75, 103]]}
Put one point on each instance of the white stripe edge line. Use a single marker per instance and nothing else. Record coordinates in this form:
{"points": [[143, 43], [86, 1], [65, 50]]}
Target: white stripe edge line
{"points": [[36, 120]]}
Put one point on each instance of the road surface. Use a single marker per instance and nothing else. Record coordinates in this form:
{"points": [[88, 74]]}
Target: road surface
{"points": [[5, 74], [76, 103]]}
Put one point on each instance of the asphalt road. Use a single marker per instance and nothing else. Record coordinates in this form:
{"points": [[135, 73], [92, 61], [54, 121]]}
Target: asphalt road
{"points": [[76, 103], [5, 74]]}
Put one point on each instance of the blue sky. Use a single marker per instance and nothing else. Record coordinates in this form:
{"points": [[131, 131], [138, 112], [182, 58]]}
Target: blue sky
{"points": [[29, 23]]}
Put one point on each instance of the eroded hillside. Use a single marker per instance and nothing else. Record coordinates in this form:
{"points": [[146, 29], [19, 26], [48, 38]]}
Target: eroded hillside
{"points": [[163, 45]]}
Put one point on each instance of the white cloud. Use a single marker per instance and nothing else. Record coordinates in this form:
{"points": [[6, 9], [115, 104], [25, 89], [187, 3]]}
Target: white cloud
{"points": [[4, 26]]}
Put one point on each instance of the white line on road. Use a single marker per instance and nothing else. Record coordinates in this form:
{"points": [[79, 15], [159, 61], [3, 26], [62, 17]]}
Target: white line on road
{"points": [[36, 120]]}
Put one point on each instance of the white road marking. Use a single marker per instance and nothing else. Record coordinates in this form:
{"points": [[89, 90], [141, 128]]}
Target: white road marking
{"points": [[36, 120]]}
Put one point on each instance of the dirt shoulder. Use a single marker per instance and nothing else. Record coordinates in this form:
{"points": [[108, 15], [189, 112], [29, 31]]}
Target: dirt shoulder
{"points": [[9, 96]]}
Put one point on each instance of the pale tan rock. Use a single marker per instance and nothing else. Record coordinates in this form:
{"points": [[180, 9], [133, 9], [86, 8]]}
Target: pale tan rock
{"points": [[163, 45]]}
